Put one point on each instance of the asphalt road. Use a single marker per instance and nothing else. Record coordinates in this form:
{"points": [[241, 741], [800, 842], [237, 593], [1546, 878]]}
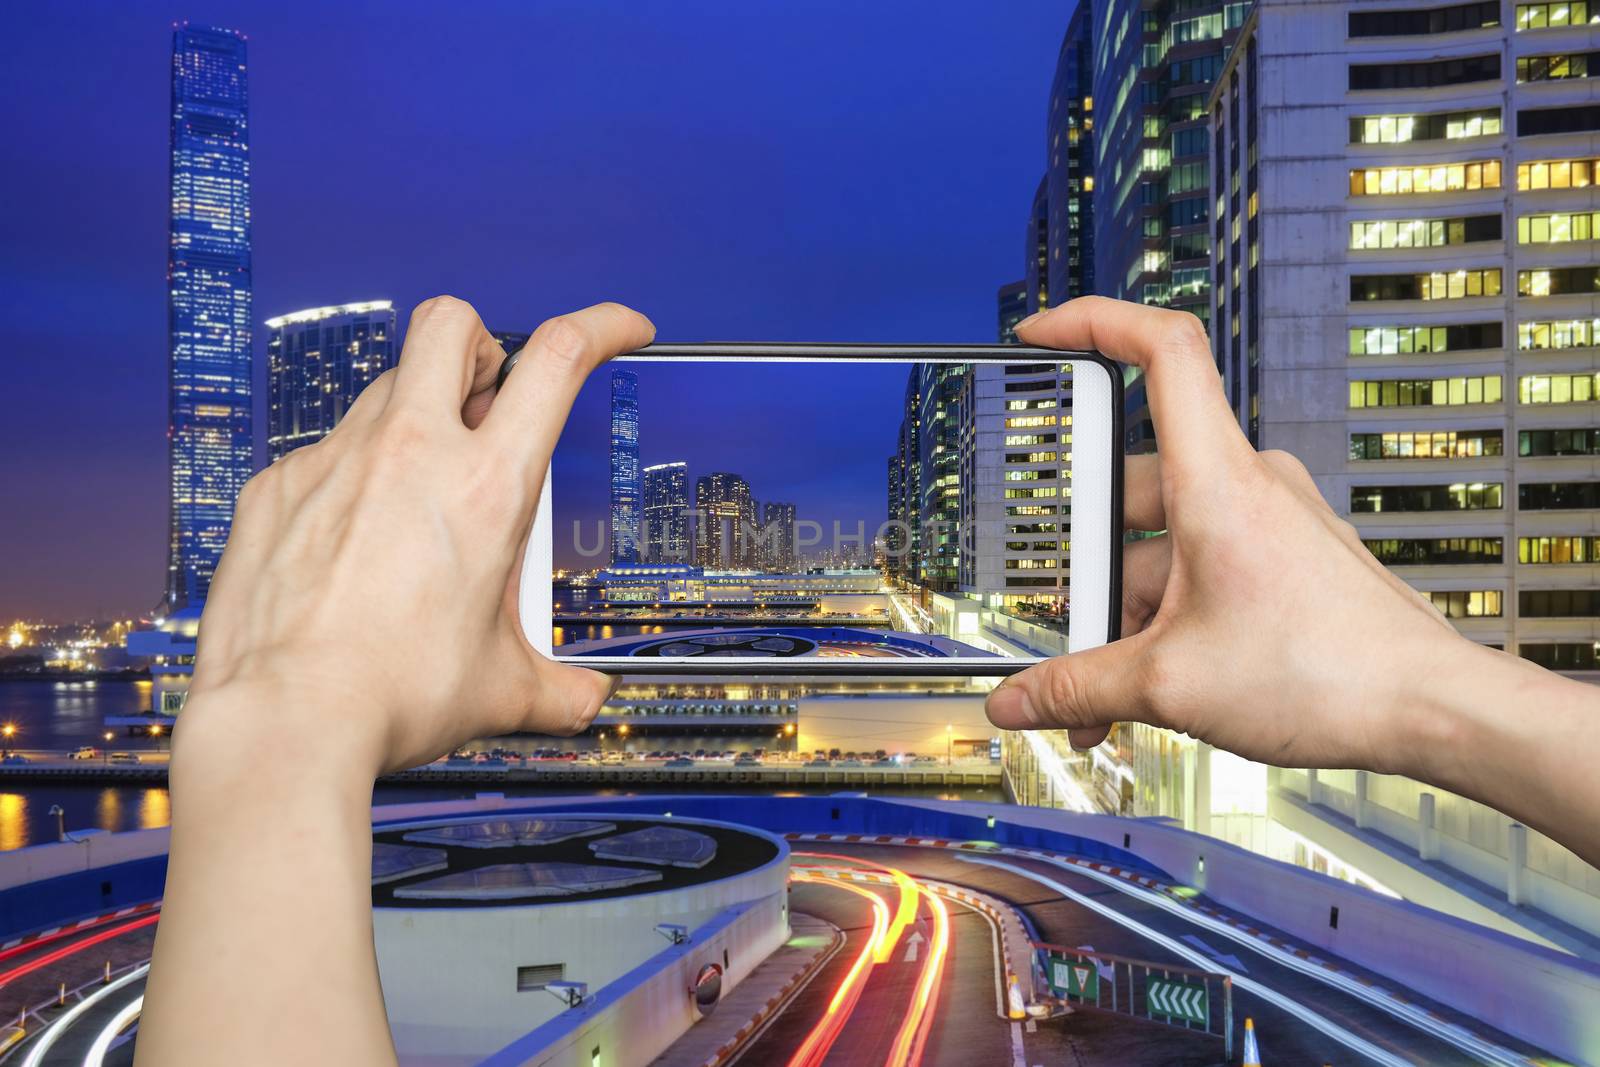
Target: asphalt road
{"points": [[1095, 1037]]}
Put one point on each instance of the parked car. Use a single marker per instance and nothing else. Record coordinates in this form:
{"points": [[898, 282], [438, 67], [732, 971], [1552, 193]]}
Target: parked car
{"points": [[116, 757], [847, 763], [85, 752], [747, 760], [678, 763], [885, 762], [819, 762]]}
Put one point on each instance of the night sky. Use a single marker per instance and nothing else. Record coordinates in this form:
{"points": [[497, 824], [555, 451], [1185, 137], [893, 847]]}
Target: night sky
{"points": [[817, 171]]}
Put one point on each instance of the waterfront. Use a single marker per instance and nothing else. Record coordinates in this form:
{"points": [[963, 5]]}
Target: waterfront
{"points": [[64, 715]]}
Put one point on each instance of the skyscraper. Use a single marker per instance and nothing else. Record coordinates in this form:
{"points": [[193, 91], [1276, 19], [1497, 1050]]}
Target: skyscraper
{"points": [[1407, 299], [624, 467], [1012, 304], [665, 537], [939, 473], [318, 361], [209, 445], [1154, 65], [904, 536], [779, 551], [1069, 166], [724, 518]]}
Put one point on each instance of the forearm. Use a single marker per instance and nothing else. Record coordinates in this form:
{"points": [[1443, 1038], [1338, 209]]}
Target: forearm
{"points": [[1521, 739], [264, 951]]}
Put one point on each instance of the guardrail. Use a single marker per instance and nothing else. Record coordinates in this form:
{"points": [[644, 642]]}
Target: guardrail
{"points": [[1166, 992]]}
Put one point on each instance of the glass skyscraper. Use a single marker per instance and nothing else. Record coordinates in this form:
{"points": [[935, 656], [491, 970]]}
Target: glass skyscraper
{"points": [[666, 513], [624, 467], [208, 304], [318, 361]]}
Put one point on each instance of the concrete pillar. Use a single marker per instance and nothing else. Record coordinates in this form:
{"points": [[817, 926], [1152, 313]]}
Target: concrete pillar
{"points": [[1313, 794], [1190, 798], [1202, 787], [1516, 863], [1360, 812], [1427, 829]]}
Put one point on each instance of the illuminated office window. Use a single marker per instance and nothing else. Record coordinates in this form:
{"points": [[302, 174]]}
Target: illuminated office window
{"points": [[1550, 16], [1565, 333], [1438, 178], [1555, 550], [1555, 67], [1558, 174], [1427, 444], [1434, 551], [1409, 340], [1436, 285], [1466, 603], [1370, 234], [1462, 496], [1558, 281], [1438, 126], [1425, 392], [1558, 228]]}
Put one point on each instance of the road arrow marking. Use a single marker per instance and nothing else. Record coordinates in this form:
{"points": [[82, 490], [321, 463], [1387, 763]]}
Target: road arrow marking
{"points": [[911, 947], [1230, 962]]}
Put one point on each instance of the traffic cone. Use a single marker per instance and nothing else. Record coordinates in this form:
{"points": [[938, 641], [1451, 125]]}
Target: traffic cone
{"points": [[1252, 1054], [1014, 997]]}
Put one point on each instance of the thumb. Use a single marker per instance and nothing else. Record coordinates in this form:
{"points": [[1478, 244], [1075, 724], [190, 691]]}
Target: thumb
{"points": [[568, 698], [1084, 692]]}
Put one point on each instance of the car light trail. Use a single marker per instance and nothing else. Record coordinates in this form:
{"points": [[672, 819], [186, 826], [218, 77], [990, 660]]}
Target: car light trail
{"points": [[64, 932], [96, 1056], [77, 946], [1416, 1016], [814, 1049], [913, 1036], [1316, 1021], [47, 1040], [910, 895]]}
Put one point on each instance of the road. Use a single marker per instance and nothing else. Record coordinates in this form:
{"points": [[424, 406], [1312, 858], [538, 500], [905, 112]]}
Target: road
{"points": [[1299, 1017], [964, 1008]]}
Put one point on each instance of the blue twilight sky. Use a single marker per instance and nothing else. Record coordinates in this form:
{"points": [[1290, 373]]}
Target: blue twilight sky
{"points": [[741, 170]]}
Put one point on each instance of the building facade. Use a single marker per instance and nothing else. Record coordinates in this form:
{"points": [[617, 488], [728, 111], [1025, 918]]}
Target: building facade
{"points": [[939, 474], [724, 519], [1069, 171], [209, 444], [903, 534], [1407, 293], [1154, 65], [318, 361], [1017, 489], [665, 536], [624, 467], [778, 548]]}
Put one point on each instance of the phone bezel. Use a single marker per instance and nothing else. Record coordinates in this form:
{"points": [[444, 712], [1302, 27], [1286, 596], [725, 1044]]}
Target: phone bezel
{"points": [[536, 600]]}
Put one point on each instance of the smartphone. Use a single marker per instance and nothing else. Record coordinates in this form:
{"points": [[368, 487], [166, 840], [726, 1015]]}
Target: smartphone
{"points": [[815, 509]]}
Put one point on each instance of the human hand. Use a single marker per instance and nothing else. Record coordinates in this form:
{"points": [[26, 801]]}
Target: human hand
{"points": [[368, 593], [1258, 622]]}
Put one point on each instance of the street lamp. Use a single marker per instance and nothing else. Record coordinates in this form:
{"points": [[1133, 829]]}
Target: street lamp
{"points": [[9, 730], [155, 732], [105, 753]]}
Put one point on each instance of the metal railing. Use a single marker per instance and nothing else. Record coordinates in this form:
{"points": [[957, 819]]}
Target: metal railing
{"points": [[1161, 992]]}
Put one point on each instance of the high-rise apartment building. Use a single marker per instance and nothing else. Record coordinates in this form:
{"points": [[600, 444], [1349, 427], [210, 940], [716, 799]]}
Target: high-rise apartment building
{"points": [[1154, 65], [624, 467], [1407, 295], [665, 538], [1016, 487], [779, 550], [939, 474], [903, 533], [209, 444], [1011, 302], [724, 519], [318, 361], [1069, 166]]}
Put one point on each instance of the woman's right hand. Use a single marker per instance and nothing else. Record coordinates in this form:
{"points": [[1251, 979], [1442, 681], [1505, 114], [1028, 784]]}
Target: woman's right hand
{"points": [[1257, 621]]}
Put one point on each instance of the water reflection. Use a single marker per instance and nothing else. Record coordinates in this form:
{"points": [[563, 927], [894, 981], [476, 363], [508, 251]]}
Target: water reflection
{"points": [[108, 810], [155, 809], [13, 821]]}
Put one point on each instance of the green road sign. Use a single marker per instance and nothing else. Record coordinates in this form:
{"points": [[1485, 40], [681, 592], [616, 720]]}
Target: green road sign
{"points": [[1183, 1001], [1074, 978]]}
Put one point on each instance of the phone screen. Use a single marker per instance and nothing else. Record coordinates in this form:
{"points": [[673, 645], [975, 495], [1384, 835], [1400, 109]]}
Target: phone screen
{"points": [[828, 510]]}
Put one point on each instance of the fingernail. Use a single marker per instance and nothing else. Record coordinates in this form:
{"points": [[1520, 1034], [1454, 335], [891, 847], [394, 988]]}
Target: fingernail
{"points": [[1030, 318], [1009, 707]]}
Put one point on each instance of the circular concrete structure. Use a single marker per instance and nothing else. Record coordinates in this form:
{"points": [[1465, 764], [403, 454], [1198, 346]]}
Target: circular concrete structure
{"points": [[779, 642], [487, 921]]}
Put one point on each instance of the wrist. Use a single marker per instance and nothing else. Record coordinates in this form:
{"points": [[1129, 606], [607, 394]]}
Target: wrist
{"points": [[254, 734]]}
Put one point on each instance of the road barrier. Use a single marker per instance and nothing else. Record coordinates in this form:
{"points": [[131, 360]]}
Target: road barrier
{"points": [[1162, 992]]}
